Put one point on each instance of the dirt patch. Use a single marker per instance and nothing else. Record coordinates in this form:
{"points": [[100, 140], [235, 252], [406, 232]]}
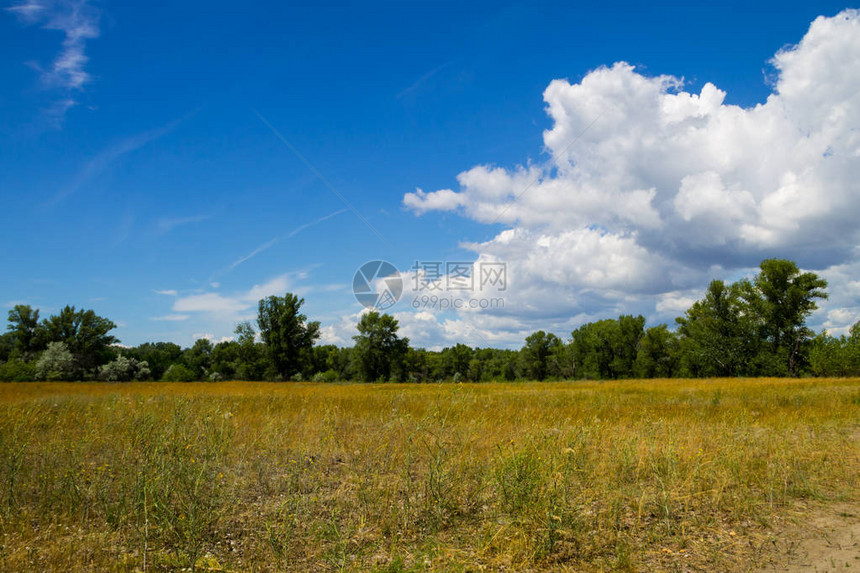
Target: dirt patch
{"points": [[824, 540]]}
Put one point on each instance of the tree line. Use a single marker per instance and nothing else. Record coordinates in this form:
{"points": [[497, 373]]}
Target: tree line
{"points": [[752, 327]]}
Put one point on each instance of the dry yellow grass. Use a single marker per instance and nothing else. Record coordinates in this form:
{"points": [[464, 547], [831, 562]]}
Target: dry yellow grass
{"points": [[666, 474]]}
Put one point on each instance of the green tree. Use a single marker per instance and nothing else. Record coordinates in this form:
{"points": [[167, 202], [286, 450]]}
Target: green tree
{"points": [[7, 346], [56, 363], [658, 353], [124, 369], [251, 363], [535, 355], [717, 333], [455, 361], [415, 365], [782, 298], [25, 331], [178, 373], [329, 358], [85, 334], [158, 355], [17, 370], [287, 333], [198, 358], [379, 352], [607, 349], [836, 356]]}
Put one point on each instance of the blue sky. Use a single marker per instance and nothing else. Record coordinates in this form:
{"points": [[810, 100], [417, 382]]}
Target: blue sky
{"points": [[140, 177]]}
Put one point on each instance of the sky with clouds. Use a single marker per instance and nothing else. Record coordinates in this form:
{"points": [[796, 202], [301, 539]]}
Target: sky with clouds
{"points": [[170, 166]]}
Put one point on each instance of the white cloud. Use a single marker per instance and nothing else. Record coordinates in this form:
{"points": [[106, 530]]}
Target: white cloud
{"points": [[276, 286], [79, 22], [210, 302], [231, 308], [840, 320], [166, 292], [167, 224], [444, 200], [423, 80], [650, 189], [172, 317], [111, 153], [276, 240], [211, 338], [340, 332]]}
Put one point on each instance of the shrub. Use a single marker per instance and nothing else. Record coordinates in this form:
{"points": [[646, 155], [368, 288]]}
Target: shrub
{"points": [[124, 369], [328, 376], [17, 370], [178, 373], [56, 363]]}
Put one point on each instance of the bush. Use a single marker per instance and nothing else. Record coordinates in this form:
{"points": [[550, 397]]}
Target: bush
{"points": [[56, 363], [124, 369], [17, 370], [328, 376], [216, 377], [178, 373]]}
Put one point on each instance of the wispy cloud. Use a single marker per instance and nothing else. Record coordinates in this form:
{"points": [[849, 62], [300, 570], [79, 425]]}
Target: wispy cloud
{"points": [[252, 254], [79, 22], [55, 113], [167, 224], [270, 243], [423, 79], [104, 158], [171, 317], [301, 228], [166, 292]]}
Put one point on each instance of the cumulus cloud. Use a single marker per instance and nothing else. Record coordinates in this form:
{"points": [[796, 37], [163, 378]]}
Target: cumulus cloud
{"points": [[650, 190]]}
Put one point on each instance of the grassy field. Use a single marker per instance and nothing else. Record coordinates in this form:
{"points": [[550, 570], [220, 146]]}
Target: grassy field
{"points": [[633, 475]]}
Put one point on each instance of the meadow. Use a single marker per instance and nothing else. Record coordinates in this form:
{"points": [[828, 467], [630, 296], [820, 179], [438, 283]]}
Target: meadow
{"points": [[674, 475]]}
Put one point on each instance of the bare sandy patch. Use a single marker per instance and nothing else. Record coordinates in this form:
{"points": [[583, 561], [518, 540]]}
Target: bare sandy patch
{"points": [[826, 540]]}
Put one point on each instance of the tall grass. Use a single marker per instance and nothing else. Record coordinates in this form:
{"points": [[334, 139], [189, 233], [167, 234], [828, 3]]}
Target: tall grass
{"points": [[269, 477]]}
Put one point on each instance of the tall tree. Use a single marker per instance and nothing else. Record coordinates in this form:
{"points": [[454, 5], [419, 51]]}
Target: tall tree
{"points": [[717, 334], [658, 353], [287, 333], [607, 349], [25, 330], [86, 336], [782, 298], [158, 355], [251, 362], [198, 358], [379, 352], [7, 345], [535, 355], [455, 361]]}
